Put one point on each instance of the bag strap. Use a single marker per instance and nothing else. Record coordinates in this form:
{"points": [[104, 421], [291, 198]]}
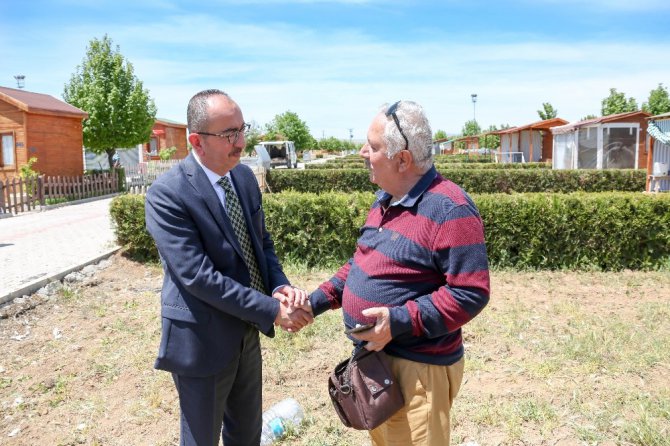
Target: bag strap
{"points": [[346, 375]]}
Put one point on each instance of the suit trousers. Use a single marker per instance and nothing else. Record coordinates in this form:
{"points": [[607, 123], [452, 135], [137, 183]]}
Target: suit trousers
{"points": [[429, 391], [228, 404]]}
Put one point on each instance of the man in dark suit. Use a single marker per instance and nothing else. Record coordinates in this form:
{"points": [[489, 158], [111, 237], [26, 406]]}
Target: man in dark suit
{"points": [[206, 218]]}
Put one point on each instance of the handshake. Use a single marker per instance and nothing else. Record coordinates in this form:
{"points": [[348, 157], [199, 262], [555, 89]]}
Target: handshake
{"points": [[295, 310]]}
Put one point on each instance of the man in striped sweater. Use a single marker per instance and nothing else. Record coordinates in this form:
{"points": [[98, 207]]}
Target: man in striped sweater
{"points": [[419, 273]]}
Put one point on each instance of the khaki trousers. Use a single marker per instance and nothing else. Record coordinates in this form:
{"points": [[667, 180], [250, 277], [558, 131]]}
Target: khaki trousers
{"points": [[429, 391]]}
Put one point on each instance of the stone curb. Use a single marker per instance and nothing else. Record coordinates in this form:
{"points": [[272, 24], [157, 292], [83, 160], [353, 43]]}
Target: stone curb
{"points": [[39, 283]]}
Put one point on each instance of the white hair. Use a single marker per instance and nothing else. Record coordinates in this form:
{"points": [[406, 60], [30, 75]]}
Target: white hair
{"points": [[415, 127]]}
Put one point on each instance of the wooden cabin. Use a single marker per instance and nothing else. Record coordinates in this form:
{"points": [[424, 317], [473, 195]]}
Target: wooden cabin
{"points": [[165, 134], [528, 143], [35, 125], [443, 146], [610, 142]]}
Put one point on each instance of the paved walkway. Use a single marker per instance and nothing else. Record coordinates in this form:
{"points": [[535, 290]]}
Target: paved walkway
{"points": [[38, 247]]}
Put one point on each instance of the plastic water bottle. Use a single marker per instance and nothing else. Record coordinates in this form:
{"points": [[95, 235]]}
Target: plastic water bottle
{"points": [[278, 418]]}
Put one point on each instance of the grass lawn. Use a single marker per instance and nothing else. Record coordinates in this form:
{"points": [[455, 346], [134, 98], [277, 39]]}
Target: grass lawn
{"points": [[557, 358]]}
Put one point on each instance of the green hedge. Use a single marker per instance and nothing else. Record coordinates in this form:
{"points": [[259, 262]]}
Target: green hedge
{"points": [[317, 180], [608, 231], [463, 158], [338, 164], [316, 230], [438, 166], [476, 181]]}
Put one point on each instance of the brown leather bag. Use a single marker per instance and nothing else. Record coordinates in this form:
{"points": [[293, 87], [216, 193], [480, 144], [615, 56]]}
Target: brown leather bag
{"points": [[364, 391]]}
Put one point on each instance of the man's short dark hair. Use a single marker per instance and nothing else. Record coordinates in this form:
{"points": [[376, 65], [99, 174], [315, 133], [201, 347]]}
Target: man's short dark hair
{"points": [[196, 113]]}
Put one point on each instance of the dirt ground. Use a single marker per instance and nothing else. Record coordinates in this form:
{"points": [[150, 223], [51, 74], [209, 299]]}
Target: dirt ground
{"points": [[547, 363]]}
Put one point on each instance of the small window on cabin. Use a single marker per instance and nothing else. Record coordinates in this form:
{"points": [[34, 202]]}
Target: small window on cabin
{"points": [[153, 146], [8, 149]]}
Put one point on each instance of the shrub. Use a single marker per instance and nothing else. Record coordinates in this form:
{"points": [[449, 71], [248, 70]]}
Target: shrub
{"points": [[127, 212], [476, 181], [607, 231], [338, 164], [166, 153], [320, 181], [316, 229]]}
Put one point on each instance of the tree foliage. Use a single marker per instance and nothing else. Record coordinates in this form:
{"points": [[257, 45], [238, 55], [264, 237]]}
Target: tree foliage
{"points": [[548, 111], [289, 126], [617, 102], [333, 144], [659, 101], [471, 128], [120, 111], [490, 141], [252, 137], [440, 134]]}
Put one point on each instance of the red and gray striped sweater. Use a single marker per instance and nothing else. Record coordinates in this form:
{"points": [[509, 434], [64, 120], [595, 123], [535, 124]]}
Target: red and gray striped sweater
{"points": [[425, 258]]}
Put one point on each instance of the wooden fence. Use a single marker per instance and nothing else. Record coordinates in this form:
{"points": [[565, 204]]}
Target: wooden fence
{"points": [[21, 195], [140, 176], [85, 186], [24, 194]]}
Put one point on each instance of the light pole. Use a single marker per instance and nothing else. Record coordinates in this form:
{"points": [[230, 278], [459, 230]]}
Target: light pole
{"points": [[20, 80], [474, 101]]}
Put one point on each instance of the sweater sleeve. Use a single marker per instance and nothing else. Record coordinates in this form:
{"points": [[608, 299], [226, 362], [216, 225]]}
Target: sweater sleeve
{"points": [[329, 294]]}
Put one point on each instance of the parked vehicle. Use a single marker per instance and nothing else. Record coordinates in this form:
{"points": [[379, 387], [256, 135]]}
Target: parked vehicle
{"points": [[279, 153]]}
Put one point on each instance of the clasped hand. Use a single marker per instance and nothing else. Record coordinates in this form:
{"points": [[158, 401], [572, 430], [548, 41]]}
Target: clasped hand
{"points": [[295, 310]]}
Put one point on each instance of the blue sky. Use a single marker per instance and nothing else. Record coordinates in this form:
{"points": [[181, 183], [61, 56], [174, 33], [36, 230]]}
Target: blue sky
{"points": [[334, 62]]}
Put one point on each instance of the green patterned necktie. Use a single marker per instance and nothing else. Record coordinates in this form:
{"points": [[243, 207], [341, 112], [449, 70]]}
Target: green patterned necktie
{"points": [[234, 211]]}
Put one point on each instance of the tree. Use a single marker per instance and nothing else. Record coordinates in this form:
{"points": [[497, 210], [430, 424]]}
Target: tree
{"points": [[659, 101], [292, 128], [490, 141], [120, 111], [547, 112], [252, 137], [471, 128], [587, 117], [616, 102], [333, 144], [440, 134]]}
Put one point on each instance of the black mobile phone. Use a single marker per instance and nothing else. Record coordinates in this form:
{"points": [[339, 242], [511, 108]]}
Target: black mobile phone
{"points": [[358, 328]]}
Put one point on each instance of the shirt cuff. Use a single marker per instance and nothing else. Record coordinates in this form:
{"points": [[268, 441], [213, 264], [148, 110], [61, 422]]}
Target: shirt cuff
{"points": [[277, 288], [319, 301]]}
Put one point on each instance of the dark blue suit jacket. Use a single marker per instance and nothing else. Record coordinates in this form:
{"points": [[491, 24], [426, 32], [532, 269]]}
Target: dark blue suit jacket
{"points": [[206, 302]]}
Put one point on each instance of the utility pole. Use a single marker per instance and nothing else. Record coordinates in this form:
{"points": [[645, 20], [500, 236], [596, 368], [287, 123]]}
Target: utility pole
{"points": [[474, 101]]}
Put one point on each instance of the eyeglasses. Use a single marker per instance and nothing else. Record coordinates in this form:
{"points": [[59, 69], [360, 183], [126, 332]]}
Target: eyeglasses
{"points": [[391, 112], [231, 136]]}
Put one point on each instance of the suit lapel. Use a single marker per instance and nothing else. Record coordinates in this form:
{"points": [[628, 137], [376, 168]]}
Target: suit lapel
{"points": [[196, 176]]}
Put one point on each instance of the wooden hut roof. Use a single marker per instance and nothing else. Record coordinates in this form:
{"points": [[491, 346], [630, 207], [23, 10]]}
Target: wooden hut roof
{"points": [[661, 116], [601, 120], [170, 123], [39, 103], [545, 124]]}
